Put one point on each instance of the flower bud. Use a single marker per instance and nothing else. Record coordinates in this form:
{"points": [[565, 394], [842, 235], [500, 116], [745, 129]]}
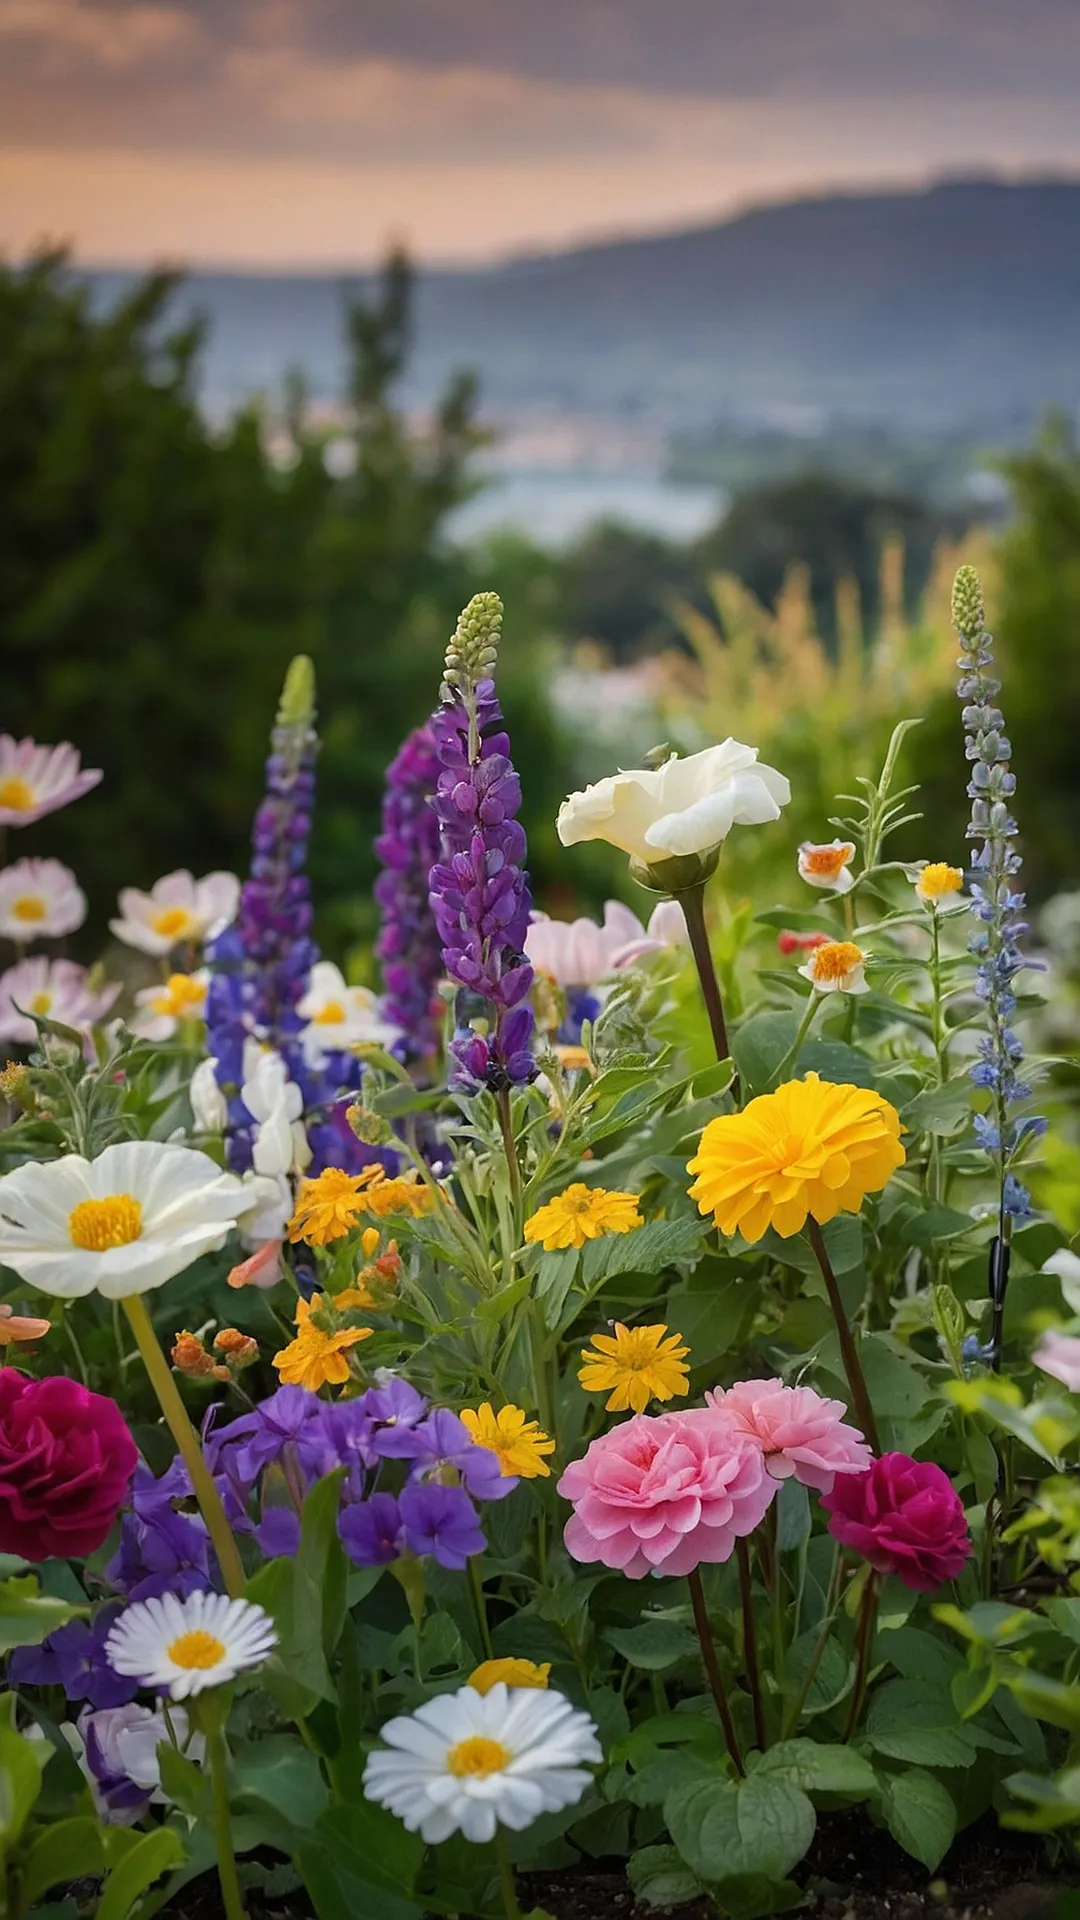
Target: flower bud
{"points": [[16, 1086], [240, 1349], [369, 1126], [190, 1357]]}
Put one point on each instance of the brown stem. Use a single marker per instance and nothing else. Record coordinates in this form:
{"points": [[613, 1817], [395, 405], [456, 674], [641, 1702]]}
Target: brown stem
{"points": [[712, 1669], [864, 1640], [848, 1349], [513, 1164], [693, 906], [746, 1597]]}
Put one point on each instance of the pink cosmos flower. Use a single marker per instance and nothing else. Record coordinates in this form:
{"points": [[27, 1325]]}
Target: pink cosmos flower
{"points": [[39, 900], [177, 908], [54, 989], [905, 1517], [1058, 1354], [578, 953], [37, 780], [663, 1493], [802, 1435]]}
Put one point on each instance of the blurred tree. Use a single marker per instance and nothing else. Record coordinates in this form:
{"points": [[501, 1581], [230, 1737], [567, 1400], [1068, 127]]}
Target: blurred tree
{"points": [[618, 585]]}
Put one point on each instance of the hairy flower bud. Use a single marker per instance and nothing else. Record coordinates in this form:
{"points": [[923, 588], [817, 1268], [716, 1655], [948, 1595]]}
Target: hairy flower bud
{"points": [[190, 1357], [474, 646], [369, 1126]]}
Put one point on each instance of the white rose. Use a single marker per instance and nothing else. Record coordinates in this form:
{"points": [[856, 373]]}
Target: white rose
{"points": [[685, 807]]}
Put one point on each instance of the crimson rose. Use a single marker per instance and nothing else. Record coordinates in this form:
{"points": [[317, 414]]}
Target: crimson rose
{"points": [[905, 1517], [66, 1461]]}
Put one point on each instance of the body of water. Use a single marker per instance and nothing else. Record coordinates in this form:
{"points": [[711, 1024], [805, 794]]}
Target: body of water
{"points": [[555, 508]]}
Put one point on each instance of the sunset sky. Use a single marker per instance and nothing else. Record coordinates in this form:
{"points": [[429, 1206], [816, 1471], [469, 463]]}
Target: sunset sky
{"points": [[284, 133]]}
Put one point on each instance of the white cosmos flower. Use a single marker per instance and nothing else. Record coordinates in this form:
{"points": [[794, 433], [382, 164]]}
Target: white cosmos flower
{"points": [[836, 967], [468, 1762], [177, 908], [118, 1225], [339, 1016], [189, 1645], [276, 1104], [162, 1009], [36, 780], [684, 807], [54, 989], [578, 953], [828, 865], [208, 1104], [39, 900]]}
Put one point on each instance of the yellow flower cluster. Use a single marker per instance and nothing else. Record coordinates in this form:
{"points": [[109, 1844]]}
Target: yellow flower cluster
{"points": [[317, 1358], [331, 1205], [582, 1213]]}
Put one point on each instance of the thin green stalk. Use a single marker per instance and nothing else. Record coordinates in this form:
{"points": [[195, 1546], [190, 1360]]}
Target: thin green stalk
{"points": [[864, 1640], [712, 1669], [805, 1024], [506, 1878], [76, 1349], [791, 1723], [692, 902], [513, 1164], [231, 1897], [476, 1588], [849, 1352], [187, 1442], [750, 1650]]}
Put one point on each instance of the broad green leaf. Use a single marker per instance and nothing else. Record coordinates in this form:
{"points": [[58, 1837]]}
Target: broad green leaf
{"points": [[152, 1855], [20, 1783], [186, 1784], [27, 1614], [67, 1850], [820, 1769], [372, 1845], [1047, 1699], [648, 1249], [659, 1878], [653, 1644], [284, 1774], [668, 1770], [725, 1828], [920, 1815], [832, 1678], [760, 1046], [1054, 1803], [752, 1896], [917, 1721]]}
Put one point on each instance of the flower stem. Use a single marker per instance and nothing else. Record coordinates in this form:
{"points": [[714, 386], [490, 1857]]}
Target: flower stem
{"points": [[231, 1897], [852, 1363], [864, 1640], [187, 1442], [692, 902], [513, 1164], [506, 1879], [750, 1651], [805, 1024], [476, 1588], [712, 1669]]}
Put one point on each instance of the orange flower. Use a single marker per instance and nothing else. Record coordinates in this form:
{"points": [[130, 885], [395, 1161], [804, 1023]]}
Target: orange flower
{"points": [[14, 1328]]}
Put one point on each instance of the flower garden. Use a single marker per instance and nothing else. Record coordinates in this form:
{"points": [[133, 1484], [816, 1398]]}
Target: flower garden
{"points": [[465, 1432]]}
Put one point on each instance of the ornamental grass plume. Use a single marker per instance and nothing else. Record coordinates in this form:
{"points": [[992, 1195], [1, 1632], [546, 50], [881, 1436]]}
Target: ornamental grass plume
{"points": [[408, 947], [479, 888]]}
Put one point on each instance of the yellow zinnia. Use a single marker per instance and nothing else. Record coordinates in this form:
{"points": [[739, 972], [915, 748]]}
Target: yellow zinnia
{"points": [[512, 1673], [810, 1148], [329, 1206], [518, 1442], [582, 1213], [635, 1365], [316, 1358], [406, 1195]]}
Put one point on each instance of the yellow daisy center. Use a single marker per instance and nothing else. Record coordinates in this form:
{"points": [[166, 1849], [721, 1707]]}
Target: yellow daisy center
{"points": [[29, 906], [98, 1225], [16, 794], [182, 997], [477, 1757], [172, 922], [827, 861], [330, 1015], [835, 960], [40, 1003], [197, 1649]]}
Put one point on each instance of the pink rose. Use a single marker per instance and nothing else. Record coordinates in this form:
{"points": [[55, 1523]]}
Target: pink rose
{"points": [[66, 1461], [801, 1434], [1058, 1354], [905, 1517], [664, 1493]]}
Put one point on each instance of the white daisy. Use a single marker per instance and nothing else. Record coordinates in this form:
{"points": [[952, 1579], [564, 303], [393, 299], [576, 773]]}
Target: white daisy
{"points": [[39, 900], [189, 1645], [828, 865], [836, 967], [469, 1762], [162, 1009], [339, 1016], [118, 1225], [53, 989], [36, 780], [177, 908]]}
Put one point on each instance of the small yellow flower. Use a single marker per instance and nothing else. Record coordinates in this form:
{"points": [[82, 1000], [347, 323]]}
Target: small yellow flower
{"points": [[408, 1194], [574, 1059], [316, 1359], [635, 1365], [328, 1206], [183, 997], [811, 1148], [512, 1673], [517, 1442], [937, 881], [836, 967], [582, 1213]]}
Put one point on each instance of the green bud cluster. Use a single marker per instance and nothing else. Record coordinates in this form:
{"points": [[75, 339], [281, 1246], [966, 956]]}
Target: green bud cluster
{"points": [[297, 708], [474, 645], [968, 611]]}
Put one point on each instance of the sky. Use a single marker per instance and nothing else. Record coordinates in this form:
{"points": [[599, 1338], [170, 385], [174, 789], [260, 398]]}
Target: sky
{"points": [[311, 133]]}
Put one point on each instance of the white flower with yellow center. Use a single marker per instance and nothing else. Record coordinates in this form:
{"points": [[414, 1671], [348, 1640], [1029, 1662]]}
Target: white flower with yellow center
{"points": [[36, 780], [836, 967], [118, 1225], [469, 1762], [177, 910], [828, 865], [39, 900], [180, 998], [340, 1017], [54, 990], [189, 1645]]}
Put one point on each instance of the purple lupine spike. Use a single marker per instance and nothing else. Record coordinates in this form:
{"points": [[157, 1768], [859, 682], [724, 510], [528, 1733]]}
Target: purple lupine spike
{"points": [[409, 946], [479, 888]]}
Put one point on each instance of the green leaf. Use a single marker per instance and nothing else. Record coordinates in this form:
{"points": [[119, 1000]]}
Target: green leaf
{"points": [[1055, 1803], [186, 1784], [1045, 1698], [920, 1815], [20, 1783], [760, 1046], [152, 1855], [667, 1770], [67, 1850], [820, 1769], [659, 1878], [653, 1644], [941, 1110], [283, 1774], [915, 1720], [832, 1060], [648, 1249], [27, 1614], [833, 1675], [372, 1845], [758, 1825], [306, 1598], [750, 1896]]}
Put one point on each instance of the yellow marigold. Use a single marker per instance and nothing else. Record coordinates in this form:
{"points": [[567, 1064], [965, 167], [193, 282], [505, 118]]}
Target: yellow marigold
{"points": [[315, 1358], [582, 1213], [936, 881], [518, 1442], [328, 1207], [809, 1148], [513, 1673], [635, 1365], [409, 1194]]}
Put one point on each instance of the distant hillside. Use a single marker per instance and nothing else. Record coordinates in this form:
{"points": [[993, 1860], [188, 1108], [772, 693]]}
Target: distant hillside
{"points": [[954, 307]]}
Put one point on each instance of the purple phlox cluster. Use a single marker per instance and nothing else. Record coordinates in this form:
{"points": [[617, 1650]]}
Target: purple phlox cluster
{"points": [[162, 1550], [261, 962], [480, 895], [408, 946], [74, 1658]]}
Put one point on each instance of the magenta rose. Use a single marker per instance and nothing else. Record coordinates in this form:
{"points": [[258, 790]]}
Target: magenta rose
{"points": [[66, 1461], [905, 1517]]}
